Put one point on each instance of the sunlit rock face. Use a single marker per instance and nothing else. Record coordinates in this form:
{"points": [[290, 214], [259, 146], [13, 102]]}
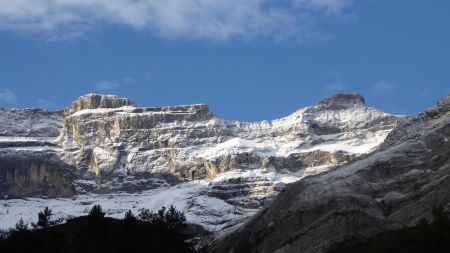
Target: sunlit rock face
{"points": [[189, 142], [106, 136], [95, 101], [104, 144]]}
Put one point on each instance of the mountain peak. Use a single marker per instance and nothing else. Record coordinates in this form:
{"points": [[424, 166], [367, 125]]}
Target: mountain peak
{"points": [[341, 101], [94, 101]]}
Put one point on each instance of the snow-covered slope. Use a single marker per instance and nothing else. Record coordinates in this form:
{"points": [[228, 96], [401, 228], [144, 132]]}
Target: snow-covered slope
{"points": [[30, 122], [106, 144]]}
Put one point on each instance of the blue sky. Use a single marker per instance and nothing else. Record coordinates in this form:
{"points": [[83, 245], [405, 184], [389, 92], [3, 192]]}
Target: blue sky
{"points": [[249, 60]]}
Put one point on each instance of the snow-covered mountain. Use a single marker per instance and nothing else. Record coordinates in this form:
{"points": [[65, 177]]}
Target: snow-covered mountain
{"points": [[389, 189], [103, 149]]}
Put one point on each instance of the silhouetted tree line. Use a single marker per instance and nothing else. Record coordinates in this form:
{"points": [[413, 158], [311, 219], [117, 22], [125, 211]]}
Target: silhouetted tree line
{"points": [[425, 237], [161, 231]]}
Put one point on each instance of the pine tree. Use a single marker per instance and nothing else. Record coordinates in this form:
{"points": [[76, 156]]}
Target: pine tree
{"points": [[4, 234], [170, 218], [145, 215], [96, 212], [21, 225], [129, 216], [44, 218], [175, 219]]}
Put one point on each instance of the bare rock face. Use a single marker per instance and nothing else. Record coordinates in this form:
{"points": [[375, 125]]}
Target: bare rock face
{"points": [[341, 101], [29, 161], [105, 136], [95, 101], [109, 144], [388, 189], [412, 128], [34, 173], [111, 141]]}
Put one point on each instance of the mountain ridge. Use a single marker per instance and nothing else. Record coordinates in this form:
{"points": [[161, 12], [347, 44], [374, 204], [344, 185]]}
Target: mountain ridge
{"points": [[393, 187], [107, 145]]}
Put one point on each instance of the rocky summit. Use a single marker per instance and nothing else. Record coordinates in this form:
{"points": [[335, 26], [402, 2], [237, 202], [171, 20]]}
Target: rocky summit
{"points": [[105, 149]]}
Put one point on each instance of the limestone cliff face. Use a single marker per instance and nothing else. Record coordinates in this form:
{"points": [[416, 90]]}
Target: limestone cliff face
{"points": [[190, 142], [107, 138], [219, 172], [94, 101], [389, 189], [29, 162], [107, 141], [36, 173]]}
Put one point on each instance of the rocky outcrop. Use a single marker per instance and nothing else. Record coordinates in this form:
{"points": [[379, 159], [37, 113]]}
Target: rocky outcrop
{"points": [[389, 189], [341, 102], [413, 128], [245, 191], [95, 101]]}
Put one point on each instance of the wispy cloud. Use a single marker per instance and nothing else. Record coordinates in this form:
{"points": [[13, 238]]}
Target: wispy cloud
{"points": [[105, 85], [384, 86], [8, 96], [216, 20], [148, 75], [329, 6], [336, 84]]}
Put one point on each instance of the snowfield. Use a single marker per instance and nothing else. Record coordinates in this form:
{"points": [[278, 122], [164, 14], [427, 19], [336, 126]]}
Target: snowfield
{"points": [[212, 213]]}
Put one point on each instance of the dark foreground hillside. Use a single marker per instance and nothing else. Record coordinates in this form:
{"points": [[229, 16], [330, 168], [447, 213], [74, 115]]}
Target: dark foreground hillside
{"points": [[87, 234], [422, 238]]}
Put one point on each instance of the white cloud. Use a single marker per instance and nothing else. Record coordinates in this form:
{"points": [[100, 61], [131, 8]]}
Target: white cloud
{"points": [[8, 96], [127, 80], [148, 75], [384, 86], [329, 6], [107, 85], [199, 19]]}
